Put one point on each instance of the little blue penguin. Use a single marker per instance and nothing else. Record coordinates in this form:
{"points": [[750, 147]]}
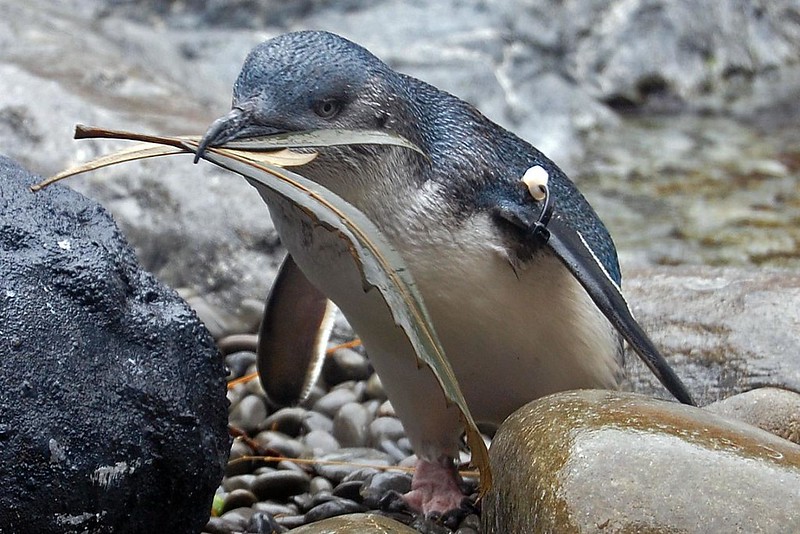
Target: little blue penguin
{"points": [[516, 319]]}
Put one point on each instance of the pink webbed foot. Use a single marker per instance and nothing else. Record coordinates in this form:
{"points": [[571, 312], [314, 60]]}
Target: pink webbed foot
{"points": [[435, 488]]}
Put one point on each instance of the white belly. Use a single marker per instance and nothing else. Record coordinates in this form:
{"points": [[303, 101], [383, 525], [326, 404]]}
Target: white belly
{"points": [[510, 337]]}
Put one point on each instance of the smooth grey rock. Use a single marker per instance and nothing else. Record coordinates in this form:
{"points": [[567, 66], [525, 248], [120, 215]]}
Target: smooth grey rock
{"points": [[355, 524], [280, 484], [771, 409], [109, 385], [724, 330], [317, 421], [237, 519], [374, 388], [238, 498], [319, 484], [330, 403], [275, 508], [352, 460], [334, 508], [281, 443], [385, 428], [238, 482], [350, 426], [375, 487], [248, 413], [264, 523], [236, 464], [598, 461], [320, 442], [348, 490], [287, 420], [344, 365]]}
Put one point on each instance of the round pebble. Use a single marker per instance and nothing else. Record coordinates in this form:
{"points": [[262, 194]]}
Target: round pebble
{"points": [[317, 421], [281, 443], [349, 460], [239, 449], [240, 362], [350, 426], [349, 490], [291, 521], [343, 365], [330, 403], [248, 414], [391, 448], [320, 442], [275, 508], [286, 420], [319, 484], [385, 428], [238, 518], [239, 498], [374, 388], [238, 482], [375, 487], [386, 410], [333, 508], [280, 484], [264, 523]]}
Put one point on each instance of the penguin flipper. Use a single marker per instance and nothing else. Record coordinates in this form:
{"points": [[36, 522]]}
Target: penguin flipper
{"points": [[570, 247], [293, 336]]}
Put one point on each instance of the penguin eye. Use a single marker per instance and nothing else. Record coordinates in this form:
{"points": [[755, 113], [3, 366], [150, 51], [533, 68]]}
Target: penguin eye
{"points": [[328, 108]]}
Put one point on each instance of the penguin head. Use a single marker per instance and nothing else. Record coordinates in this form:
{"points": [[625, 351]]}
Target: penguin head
{"points": [[306, 81]]}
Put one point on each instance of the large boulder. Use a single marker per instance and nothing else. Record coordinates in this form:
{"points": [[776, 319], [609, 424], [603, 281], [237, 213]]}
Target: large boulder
{"points": [[724, 330], [112, 394], [601, 461]]}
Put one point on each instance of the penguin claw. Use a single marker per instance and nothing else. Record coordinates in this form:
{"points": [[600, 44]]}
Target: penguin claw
{"points": [[435, 489]]}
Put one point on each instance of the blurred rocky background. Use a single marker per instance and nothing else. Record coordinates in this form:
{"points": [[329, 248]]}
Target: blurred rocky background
{"points": [[677, 119]]}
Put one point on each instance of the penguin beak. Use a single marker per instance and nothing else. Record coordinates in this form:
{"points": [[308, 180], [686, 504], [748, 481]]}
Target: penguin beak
{"points": [[239, 123]]}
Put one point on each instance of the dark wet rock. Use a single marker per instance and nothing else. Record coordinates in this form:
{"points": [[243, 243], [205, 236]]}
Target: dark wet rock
{"points": [[349, 490], [113, 394], [724, 330], [333, 508], [771, 409], [264, 523], [595, 460], [279, 484], [375, 487]]}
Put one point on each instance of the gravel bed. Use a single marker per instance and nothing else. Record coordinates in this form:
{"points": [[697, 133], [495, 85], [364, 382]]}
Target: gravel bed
{"points": [[346, 424]]}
